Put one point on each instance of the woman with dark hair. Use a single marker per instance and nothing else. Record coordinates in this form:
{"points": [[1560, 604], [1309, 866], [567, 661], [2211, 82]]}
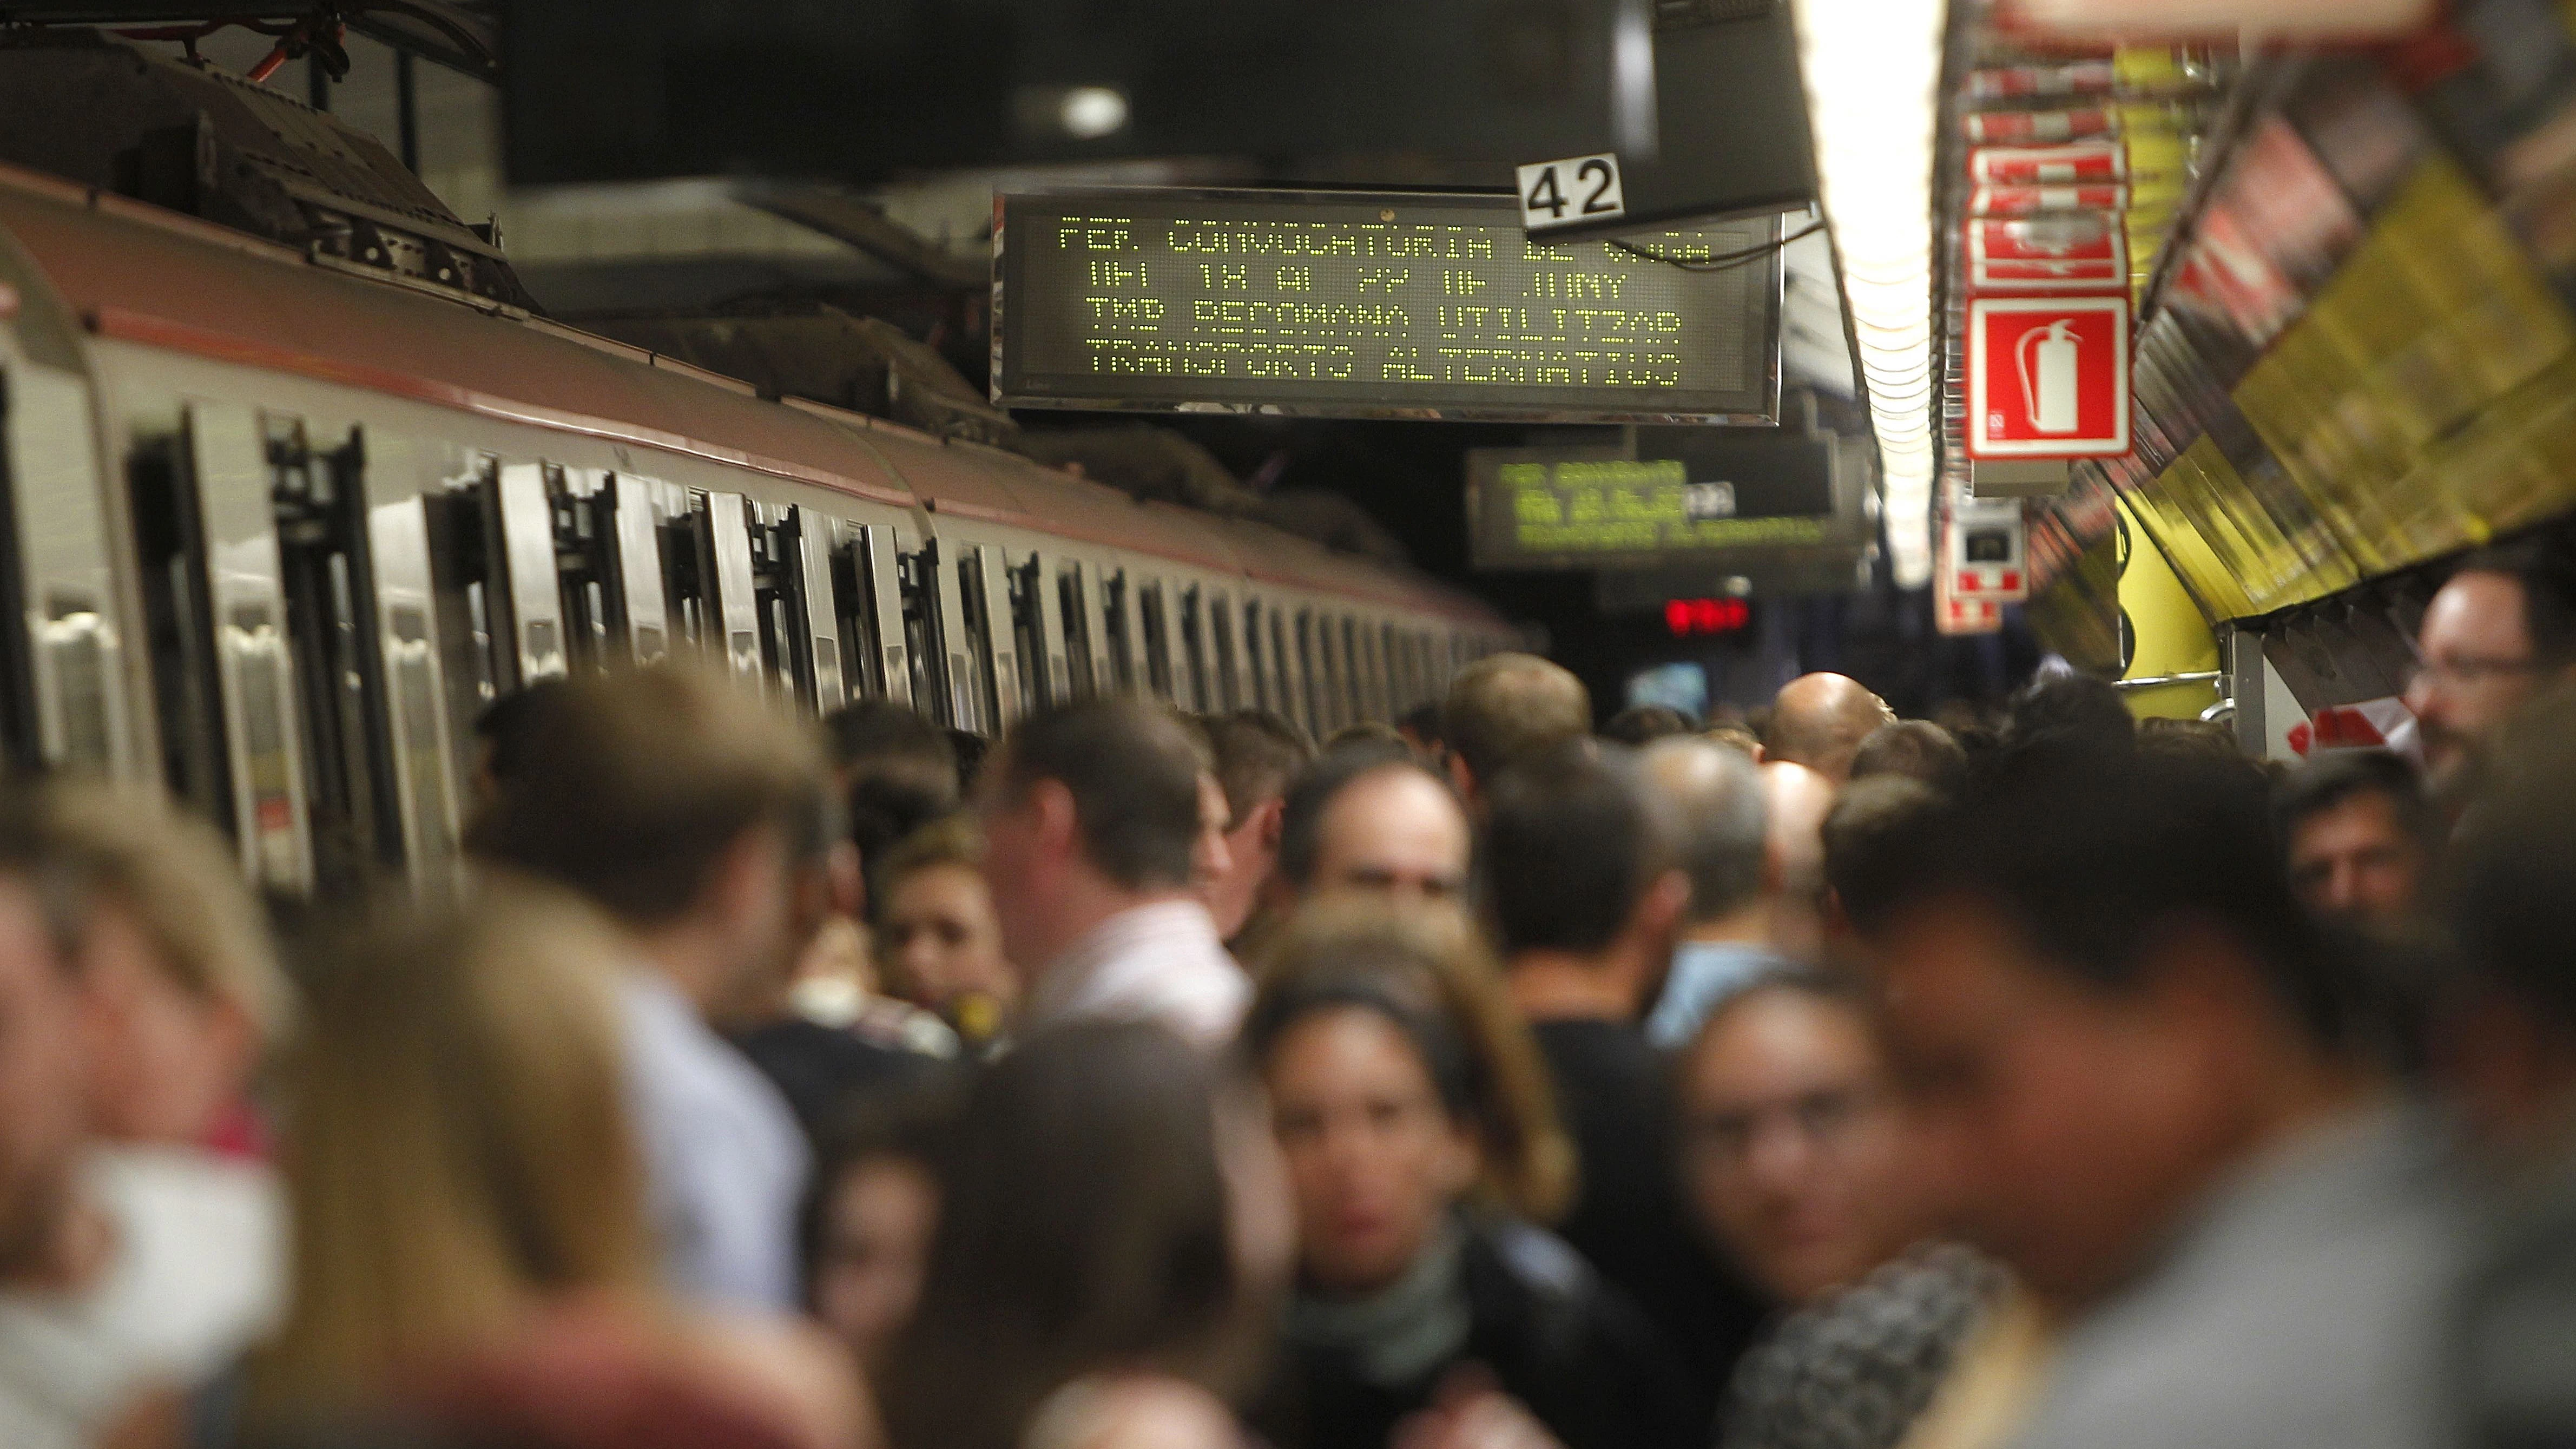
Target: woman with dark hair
{"points": [[1415, 1116], [1101, 1241]]}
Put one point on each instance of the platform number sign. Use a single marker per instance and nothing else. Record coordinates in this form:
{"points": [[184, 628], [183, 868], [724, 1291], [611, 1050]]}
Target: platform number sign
{"points": [[1571, 192]]}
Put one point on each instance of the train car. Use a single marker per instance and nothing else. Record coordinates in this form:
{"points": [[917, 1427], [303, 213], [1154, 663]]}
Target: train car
{"points": [[280, 526]]}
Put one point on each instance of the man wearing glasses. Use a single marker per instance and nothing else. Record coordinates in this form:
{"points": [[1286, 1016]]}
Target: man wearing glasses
{"points": [[2500, 632]]}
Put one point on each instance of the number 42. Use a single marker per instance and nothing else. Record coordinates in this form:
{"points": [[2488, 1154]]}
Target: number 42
{"points": [[1575, 190]]}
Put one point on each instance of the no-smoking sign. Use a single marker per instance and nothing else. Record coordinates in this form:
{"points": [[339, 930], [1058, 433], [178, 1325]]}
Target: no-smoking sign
{"points": [[2048, 377]]}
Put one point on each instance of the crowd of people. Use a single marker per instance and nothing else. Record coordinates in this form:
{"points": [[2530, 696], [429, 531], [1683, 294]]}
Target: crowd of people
{"points": [[1827, 1081]]}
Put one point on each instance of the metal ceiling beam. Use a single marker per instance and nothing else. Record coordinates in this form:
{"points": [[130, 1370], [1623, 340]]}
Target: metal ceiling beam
{"points": [[443, 32]]}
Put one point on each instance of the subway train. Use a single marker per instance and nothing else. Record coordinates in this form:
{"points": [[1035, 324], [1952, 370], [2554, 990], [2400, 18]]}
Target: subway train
{"points": [[280, 526]]}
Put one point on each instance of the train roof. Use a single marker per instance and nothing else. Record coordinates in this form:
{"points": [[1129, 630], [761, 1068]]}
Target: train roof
{"points": [[139, 273]]}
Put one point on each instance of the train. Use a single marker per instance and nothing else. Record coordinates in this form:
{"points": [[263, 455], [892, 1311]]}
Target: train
{"points": [[281, 523]]}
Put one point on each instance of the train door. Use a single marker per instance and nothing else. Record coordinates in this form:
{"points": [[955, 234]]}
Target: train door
{"points": [[981, 649], [798, 644], [534, 599], [1190, 686], [1038, 622], [1123, 618], [1288, 679], [62, 700], [1086, 647], [336, 658], [1154, 604], [733, 611], [416, 686], [1224, 653], [634, 507], [933, 635], [867, 603], [216, 608], [1255, 661]]}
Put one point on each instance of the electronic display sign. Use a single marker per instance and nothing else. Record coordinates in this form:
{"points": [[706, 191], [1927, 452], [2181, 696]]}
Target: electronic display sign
{"points": [[1682, 495], [1344, 304]]}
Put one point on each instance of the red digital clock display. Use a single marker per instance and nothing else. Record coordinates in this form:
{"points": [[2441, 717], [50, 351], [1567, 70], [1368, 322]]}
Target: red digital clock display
{"points": [[1688, 617]]}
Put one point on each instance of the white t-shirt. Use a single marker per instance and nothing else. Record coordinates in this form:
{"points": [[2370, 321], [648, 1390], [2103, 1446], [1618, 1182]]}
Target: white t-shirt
{"points": [[198, 1275]]}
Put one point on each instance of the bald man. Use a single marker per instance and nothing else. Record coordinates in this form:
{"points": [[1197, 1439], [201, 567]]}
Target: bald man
{"points": [[1797, 801], [1505, 706], [1820, 720]]}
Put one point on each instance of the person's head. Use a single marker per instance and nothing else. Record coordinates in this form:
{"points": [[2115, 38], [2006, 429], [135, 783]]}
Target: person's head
{"points": [[2362, 835], [2510, 904], [1914, 748], [181, 985], [2064, 707], [1373, 820], [2104, 996], [1820, 720], [1087, 809], [938, 940], [699, 818], [1640, 725], [1581, 861], [1257, 754], [1420, 727], [1507, 705], [503, 733], [898, 773], [1715, 792], [1091, 1199], [457, 1146], [1867, 836], [868, 1214], [1796, 799], [1401, 1084], [1792, 1143], [2499, 632], [44, 1114]]}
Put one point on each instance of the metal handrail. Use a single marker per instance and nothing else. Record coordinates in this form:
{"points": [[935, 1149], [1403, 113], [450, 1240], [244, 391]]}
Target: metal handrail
{"points": [[2153, 681]]}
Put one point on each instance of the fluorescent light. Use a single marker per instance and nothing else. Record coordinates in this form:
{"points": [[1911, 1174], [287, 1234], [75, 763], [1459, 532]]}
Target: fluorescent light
{"points": [[1873, 73]]}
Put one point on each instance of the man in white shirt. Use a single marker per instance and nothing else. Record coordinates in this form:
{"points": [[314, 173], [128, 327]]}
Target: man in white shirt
{"points": [[1090, 812], [703, 822]]}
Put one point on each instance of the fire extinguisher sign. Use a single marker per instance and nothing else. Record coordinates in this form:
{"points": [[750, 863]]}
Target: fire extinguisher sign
{"points": [[2048, 377]]}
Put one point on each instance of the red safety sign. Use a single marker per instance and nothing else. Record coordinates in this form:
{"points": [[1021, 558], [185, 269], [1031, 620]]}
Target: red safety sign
{"points": [[2048, 377], [2093, 163], [2032, 200], [2076, 252]]}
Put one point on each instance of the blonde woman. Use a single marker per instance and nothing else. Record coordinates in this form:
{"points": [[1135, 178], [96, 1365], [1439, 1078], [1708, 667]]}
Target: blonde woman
{"points": [[470, 1235], [1422, 1149]]}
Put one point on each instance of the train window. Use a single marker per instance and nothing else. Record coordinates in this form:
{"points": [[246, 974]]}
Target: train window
{"points": [[1119, 611], [1229, 694], [1287, 696], [1191, 684], [585, 567], [170, 550], [1311, 668], [929, 614], [788, 630], [1362, 670], [687, 576], [1072, 605], [1158, 640], [1256, 657], [867, 602], [1041, 656], [353, 811]]}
